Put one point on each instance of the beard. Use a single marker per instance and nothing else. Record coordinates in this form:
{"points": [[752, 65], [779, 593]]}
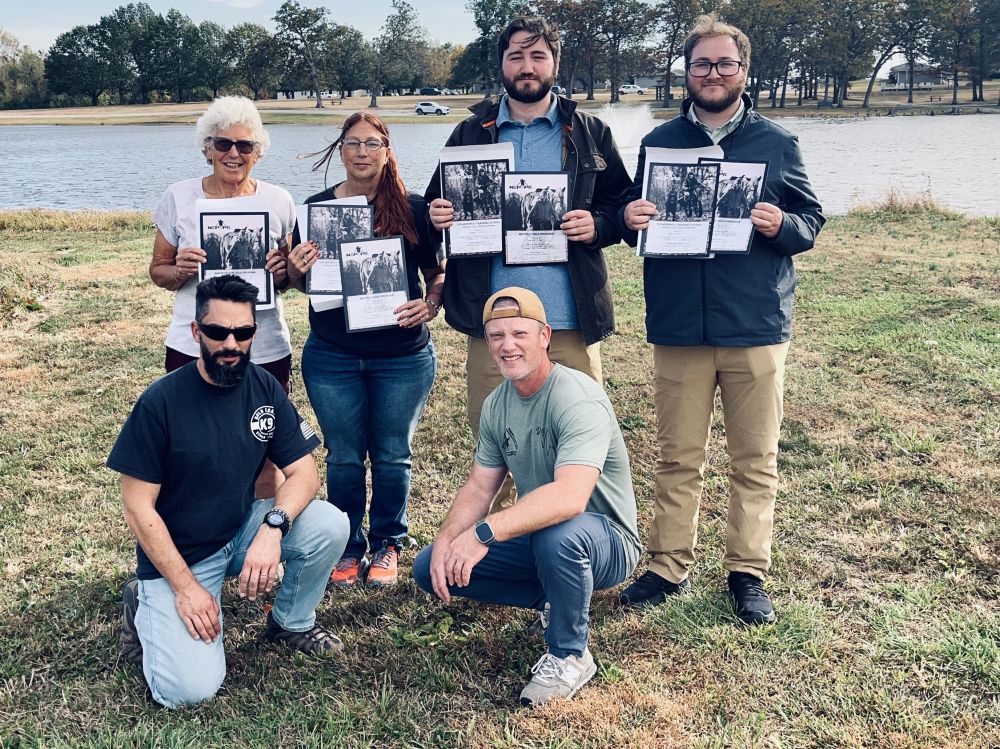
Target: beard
{"points": [[225, 375], [732, 94], [528, 97]]}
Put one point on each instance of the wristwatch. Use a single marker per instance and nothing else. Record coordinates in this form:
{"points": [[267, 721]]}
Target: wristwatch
{"points": [[484, 532], [278, 518]]}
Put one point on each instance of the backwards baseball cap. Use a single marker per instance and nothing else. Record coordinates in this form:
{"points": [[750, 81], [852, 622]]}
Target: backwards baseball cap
{"points": [[528, 305]]}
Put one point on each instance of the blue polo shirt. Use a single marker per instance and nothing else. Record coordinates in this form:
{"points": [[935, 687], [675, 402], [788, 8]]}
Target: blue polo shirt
{"points": [[537, 148]]}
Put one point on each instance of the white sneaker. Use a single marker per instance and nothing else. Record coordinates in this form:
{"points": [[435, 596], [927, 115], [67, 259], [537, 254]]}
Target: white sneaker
{"points": [[557, 677]]}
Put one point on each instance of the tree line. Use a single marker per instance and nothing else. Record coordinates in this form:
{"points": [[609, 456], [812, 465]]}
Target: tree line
{"points": [[802, 50]]}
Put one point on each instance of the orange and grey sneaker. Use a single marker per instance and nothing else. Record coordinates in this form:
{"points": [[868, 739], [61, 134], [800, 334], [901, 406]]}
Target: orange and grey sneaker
{"points": [[383, 572], [348, 572]]}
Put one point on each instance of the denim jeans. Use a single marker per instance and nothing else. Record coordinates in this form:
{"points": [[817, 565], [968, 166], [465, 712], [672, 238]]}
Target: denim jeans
{"points": [[562, 564], [368, 408], [183, 671]]}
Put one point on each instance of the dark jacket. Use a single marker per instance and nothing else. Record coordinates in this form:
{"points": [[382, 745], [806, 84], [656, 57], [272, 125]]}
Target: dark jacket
{"points": [[732, 300], [598, 183]]}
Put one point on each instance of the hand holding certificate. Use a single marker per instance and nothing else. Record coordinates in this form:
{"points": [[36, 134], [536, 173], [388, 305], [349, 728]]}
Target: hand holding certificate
{"points": [[741, 184], [533, 207], [471, 182], [374, 281], [237, 243], [330, 226], [684, 196]]}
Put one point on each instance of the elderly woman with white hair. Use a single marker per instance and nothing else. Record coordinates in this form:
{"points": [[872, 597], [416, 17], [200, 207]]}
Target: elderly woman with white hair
{"points": [[232, 137]]}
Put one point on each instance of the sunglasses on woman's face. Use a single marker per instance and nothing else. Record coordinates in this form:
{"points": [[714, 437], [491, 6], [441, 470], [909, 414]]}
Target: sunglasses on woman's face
{"points": [[220, 333], [245, 147]]}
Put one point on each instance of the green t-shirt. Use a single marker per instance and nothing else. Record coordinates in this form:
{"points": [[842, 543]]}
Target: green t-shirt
{"points": [[569, 421]]}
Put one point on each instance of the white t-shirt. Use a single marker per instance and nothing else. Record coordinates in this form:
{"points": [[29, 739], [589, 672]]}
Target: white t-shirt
{"points": [[177, 219]]}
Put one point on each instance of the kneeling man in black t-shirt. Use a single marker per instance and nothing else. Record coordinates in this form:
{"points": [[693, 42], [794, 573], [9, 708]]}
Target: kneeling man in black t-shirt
{"points": [[188, 456]]}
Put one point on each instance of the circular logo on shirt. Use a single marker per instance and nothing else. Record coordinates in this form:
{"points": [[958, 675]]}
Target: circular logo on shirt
{"points": [[262, 423]]}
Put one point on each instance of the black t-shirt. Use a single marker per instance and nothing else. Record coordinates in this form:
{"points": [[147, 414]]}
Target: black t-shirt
{"points": [[205, 446], [330, 325]]}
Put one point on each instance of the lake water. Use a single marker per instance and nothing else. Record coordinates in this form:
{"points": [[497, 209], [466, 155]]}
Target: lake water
{"points": [[955, 158]]}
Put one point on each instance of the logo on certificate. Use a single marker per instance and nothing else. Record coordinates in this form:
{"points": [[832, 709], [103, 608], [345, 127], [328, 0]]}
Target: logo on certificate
{"points": [[262, 423]]}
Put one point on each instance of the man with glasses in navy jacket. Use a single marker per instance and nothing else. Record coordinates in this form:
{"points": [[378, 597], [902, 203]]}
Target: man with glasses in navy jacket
{"points": [[722, 323]]}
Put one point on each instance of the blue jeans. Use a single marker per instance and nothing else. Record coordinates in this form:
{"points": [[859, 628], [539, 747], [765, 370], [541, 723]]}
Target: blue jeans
{"points": [[562, 564], [368, 407], [183, 671]]}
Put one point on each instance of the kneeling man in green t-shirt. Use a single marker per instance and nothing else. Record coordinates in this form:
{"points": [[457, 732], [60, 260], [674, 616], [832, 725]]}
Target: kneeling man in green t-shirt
{"points": [[573, 530]]}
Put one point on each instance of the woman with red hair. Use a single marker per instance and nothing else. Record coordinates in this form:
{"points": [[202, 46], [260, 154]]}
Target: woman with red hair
{"points": [[369, 388]]}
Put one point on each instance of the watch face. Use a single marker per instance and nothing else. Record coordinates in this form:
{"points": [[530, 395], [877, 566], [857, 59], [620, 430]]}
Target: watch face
{"points": [[484, 533], [274, 518]]}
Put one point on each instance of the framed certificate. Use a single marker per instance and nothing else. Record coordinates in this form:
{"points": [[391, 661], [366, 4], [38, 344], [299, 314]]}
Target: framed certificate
{"points": [[373, 272], [329, 226], [236, 243], [533, 207], [472, 180], [684, 196], [741, 184]]}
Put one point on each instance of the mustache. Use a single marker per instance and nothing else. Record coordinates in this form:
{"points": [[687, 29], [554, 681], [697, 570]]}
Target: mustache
{"points": [[226, 352], [527, 77]]}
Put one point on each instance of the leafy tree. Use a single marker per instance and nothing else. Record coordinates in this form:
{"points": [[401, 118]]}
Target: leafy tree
{"points": [[215, 69], [952, 37], [120, 30], [74, 64], [621, 24], [400, 40], [22, 74], [350, 60], [673, 20], [177, 44], [491, 16], [307, 35], [252, 49]]}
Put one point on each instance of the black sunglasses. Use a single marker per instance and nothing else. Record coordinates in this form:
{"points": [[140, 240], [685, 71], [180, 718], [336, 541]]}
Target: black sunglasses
{"points": [[219, 333], [245, 147]]}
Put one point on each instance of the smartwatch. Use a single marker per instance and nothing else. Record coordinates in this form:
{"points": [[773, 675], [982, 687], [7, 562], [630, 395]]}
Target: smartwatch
{"points": [[278, 518], [484, 532]]}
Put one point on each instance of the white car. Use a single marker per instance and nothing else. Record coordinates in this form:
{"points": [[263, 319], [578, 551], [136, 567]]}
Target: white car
{"points": [[430, 107], [631, 88]]}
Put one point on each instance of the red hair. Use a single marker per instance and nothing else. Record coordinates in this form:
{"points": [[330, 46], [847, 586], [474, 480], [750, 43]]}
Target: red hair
{"points": [[392, 202]]}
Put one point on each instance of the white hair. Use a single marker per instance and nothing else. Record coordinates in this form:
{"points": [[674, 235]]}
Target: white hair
{"points": [[227, 111]]}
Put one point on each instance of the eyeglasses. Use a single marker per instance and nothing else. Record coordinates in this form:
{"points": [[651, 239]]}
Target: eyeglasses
{"points": [[219, 333], [245, 147], [353, 144], [726, 68]]}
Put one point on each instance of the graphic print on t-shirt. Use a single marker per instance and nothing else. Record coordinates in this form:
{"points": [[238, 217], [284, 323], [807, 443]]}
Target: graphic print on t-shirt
{"points": [[545, 439], [262, 423], [509, 445]]}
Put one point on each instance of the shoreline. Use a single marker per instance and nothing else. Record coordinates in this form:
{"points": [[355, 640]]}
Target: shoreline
{"points": [[399, 110]]}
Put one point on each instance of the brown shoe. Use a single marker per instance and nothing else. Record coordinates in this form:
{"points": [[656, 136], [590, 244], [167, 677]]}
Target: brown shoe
{"points": [[315, 641], [128, 638], [383, 571]]}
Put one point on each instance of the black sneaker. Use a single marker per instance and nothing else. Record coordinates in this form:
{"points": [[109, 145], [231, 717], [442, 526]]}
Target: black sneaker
{"points": [[651, 590], [750, 601], [128, 638]]}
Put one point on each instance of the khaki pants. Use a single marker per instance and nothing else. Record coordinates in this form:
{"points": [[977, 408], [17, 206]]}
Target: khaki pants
{"points": [[751, 381], [482, 378]]}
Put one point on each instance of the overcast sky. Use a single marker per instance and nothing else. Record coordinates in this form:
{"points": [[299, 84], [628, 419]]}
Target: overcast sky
{"points": [[38, 22]]}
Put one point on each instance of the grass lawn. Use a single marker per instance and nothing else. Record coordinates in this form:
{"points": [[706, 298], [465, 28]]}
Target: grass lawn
{"points": [[886, 571]]}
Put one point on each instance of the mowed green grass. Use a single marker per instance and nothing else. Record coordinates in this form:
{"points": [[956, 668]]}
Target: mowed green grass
{"points": [[886, 574]]}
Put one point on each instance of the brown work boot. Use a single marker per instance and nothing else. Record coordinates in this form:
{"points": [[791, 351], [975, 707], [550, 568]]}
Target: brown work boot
{"points": [[315, 641], [128, 638]]}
